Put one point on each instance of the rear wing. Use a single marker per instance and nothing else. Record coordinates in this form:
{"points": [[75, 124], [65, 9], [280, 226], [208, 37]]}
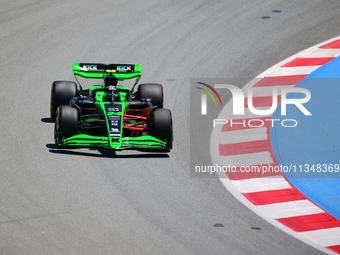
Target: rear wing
{"points": [[99, 71]]}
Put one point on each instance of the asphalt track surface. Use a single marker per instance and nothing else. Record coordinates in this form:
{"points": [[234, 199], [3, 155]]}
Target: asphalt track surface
{"points": [[86, 202]]}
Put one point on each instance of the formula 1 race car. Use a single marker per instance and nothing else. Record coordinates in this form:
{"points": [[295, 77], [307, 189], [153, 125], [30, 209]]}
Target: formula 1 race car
{"points": [[110, 115]]}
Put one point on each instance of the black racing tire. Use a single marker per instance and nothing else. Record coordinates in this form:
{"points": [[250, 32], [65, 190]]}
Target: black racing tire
{"points": [[61, 94], [66, 123], [161, 125], [154, 91]]}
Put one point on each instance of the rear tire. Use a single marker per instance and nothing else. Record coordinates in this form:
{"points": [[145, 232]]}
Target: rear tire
{"points": [[161, 125], [61, 94], [154, 91], [66, 123]]}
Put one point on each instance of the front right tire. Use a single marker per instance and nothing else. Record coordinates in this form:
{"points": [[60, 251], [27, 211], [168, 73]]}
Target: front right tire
{"points": [[161, 125], [61, 94]]}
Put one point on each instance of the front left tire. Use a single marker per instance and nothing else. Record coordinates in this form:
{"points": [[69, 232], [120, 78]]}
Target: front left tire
{"points": [[66, 123]]}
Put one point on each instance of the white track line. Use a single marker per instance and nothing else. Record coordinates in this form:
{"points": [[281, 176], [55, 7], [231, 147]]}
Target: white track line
{"points": [[261, 184], [290, 209], [324, 237], [287, 71], [242, 136], [248, 159]]}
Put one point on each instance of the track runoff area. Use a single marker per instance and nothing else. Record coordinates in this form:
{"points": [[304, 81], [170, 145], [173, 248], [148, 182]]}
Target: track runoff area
{"points": [[284, 165]]}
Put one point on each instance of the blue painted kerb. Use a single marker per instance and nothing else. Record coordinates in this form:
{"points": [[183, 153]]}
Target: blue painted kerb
{"points": [[315, 140]]}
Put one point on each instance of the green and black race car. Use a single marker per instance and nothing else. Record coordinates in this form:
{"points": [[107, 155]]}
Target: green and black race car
{"points": [[110, 115]]}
